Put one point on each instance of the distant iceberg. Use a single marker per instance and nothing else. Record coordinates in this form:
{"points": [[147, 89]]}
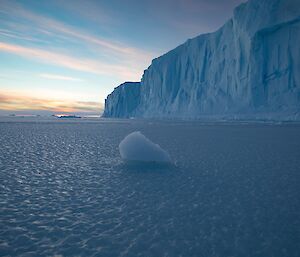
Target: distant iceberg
{"points": [[249, 68], [123, 101], [137, 148]]}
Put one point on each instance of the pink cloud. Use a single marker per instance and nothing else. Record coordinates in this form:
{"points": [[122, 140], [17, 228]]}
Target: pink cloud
{"points": [[50, 26], [60, 59], [59, 77], [18, 102]]}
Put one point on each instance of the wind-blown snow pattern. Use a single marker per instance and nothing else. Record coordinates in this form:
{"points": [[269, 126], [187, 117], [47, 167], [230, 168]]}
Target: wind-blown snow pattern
{"points": [[248, 68]]}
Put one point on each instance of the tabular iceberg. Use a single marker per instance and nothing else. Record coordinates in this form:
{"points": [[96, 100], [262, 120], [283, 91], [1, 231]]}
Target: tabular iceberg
{"points": [[249, 68]]}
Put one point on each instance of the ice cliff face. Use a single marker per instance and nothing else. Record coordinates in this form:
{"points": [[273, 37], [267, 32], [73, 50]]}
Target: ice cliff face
{"points": [[123, 101], [250, 67]]}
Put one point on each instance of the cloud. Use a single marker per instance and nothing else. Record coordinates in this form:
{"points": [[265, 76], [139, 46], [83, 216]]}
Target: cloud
{"points": [[93, 11], [60, 59], [123, 52], [4, 33], [19, 102], [59, 77]]}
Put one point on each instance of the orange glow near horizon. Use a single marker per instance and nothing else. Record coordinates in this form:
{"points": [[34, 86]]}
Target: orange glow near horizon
{"points": [[23, 102]]}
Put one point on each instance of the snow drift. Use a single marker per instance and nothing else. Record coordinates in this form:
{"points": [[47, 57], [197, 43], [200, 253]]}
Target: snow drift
{"points": [[136, 147], [248, 68]]}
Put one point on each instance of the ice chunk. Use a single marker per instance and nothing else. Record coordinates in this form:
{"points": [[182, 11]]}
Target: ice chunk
{"points": [[136, 147]]}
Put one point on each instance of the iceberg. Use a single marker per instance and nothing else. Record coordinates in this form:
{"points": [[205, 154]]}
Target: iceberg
{"points": [[249, 68], [122, 101], [137, 148]]}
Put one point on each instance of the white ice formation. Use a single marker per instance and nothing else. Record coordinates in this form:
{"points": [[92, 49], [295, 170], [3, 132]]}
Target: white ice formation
{"points": [[249, 68], [136, 147]]}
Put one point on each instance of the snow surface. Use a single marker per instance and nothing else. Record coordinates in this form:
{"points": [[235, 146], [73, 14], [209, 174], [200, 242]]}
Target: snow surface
{"points": [[248, 68], [136, 147], [66, 192]]}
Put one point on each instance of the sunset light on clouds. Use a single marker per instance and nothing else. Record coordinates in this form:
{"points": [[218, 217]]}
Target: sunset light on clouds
{"points": [[79, 51], [32, 102]]}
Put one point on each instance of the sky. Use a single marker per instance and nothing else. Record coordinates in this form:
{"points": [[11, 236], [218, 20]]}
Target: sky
{"points": [[66, 56]]}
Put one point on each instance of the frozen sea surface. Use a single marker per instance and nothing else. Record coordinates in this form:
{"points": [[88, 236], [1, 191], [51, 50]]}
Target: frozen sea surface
{"points": [[234, 190]]}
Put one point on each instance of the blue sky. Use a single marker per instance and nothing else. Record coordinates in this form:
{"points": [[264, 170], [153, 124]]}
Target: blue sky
{"points": [[66, 56]]}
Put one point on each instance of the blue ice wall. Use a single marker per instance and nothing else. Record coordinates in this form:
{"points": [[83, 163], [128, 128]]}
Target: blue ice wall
{"points": [[249, 68]]}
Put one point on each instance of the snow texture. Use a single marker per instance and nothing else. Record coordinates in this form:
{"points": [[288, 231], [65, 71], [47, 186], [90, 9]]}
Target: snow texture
{"points": [[234, 190], [136, 147], [249, 68]]}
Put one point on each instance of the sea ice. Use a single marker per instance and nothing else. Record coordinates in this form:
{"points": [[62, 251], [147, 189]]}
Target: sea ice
{"points": [[136, 147]]}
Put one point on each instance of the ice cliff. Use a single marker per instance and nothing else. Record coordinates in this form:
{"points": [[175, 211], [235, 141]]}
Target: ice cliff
{"points": [[123, 101], [250, 67]]}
